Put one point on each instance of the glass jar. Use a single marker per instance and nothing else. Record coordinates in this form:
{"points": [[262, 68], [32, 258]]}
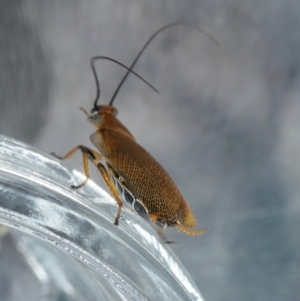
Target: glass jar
{"points": [[60, 244]]}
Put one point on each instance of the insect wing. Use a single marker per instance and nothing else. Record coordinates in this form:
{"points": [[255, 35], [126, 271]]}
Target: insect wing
{"points": [[142, 174]]}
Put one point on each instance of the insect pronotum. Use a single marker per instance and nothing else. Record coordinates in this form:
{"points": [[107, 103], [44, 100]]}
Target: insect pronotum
{"points": [[129, 171]]}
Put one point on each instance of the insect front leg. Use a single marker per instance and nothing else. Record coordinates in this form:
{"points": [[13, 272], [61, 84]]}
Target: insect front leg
{"points": [[112, 188], [87, 154]]}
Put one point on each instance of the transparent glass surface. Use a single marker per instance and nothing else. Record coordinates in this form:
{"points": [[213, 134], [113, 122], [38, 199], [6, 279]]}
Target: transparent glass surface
{"points": [[61, 244]]}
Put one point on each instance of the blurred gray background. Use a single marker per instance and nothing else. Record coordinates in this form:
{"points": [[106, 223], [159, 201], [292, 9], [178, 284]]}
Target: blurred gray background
{"points": [[226, 125]]}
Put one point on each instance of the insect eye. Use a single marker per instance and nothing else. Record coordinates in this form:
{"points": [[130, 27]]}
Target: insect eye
{"points": [[96, 109], [95, 118]]}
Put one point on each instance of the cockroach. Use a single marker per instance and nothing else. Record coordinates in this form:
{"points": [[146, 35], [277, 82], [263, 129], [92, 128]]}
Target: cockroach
{"points": [[129, 171]]}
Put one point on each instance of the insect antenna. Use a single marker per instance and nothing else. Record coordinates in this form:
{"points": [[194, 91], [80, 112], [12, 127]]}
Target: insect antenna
{"points": [[92, 62], [146, 45], [190, 232]]}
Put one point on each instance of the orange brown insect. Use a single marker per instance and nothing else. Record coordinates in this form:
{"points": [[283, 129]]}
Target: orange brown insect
{"points": [[129, 171]]}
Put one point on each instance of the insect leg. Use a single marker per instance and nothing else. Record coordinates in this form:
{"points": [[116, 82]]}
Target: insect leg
{"points": [[161, 234], [87, 154], [160, 231], [112, 188]]}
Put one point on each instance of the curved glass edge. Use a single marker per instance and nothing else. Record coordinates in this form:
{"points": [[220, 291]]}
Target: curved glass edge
{"points": [[36, 198]]}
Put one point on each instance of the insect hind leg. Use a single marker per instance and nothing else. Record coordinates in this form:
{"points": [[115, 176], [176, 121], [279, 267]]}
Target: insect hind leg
{"points": [[162, 235], [87, 154], [160, 230]]}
